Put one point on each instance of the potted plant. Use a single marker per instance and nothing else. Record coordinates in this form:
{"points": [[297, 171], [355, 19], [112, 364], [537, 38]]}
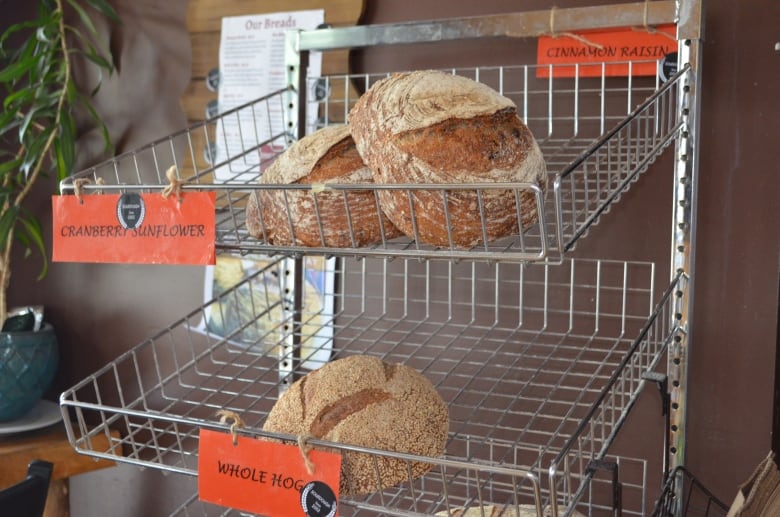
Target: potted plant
{"points": [[38, 134]]}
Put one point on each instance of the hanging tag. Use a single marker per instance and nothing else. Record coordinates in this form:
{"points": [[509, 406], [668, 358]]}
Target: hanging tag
{"points": [[613, 49], [135, 228], [266, 478]]}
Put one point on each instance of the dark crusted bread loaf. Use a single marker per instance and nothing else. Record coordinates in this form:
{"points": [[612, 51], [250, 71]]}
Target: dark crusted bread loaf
{"points": [[434, 127], [361, 400], [290, 217]]}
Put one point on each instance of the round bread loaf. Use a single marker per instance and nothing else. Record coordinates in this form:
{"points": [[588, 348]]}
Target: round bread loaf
{"points": [[290, 217], [361, 400], [434, 127]]}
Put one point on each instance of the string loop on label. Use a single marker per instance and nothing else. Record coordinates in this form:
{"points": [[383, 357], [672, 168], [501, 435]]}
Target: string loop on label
{"points": [[226, 415], [304, 446], [79, 183], [572, 35], [174, 183], [651, 29]]}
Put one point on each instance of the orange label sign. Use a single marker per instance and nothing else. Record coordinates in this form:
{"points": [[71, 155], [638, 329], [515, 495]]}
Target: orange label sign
{"points": [[267, 478], [614, 48], [135, 228]]}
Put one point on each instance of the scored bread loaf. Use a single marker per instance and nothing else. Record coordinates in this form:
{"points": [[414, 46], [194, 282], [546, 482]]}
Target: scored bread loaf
{"points": [[362, 400], [326, 218], [435, 127]]}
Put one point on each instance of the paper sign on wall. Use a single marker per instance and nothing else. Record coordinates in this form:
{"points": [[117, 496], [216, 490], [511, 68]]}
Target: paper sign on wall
{"points": [[135, 228], [251, 64], [265, 477], [615, 48]]}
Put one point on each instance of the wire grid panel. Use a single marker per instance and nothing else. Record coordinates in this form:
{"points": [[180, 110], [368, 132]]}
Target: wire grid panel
{"points": [[633, 480], [586, 447], [521, 354], [683, 495], [597, 136]]}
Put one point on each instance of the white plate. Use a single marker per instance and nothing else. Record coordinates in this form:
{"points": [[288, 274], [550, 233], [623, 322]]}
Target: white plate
{"points": [[44, 414]]}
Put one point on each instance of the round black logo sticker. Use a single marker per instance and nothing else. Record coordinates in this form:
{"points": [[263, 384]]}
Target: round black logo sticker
{"points": [[667, 66], [213, 79], [130, 210], [318, 500]]}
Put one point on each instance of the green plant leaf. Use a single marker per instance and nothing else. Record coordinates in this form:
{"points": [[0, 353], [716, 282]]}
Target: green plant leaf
{"points": [[89, 48], [87, 103], [34, 234], [40, 33], [24, 53], [105, 8], [35, 151], [7, 221], [70, 93], [39, 95], [26, 120], [66, 145], [13, 71], [8, 166], [47, 63], [85, 19], [59, 159], [13, 29], [9, 119], [98, 59], [22, 97]]}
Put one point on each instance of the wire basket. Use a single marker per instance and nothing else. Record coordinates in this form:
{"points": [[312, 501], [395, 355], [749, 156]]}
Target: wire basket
{"points": [[539, 365], [598, 134]]}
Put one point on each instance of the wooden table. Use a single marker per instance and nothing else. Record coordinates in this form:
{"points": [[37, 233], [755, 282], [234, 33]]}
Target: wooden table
{"points": [[49, 444]]}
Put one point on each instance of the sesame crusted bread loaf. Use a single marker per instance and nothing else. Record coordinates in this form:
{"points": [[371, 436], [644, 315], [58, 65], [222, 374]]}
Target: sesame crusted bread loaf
{"points": [[290, 217], [361, 400], [435, 127]]}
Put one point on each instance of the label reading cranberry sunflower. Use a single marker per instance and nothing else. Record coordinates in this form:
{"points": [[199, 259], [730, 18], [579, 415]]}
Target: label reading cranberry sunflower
{"points": [[135, 228]]}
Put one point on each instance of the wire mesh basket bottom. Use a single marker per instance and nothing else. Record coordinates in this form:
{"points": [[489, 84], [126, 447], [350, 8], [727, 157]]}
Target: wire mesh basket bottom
{"points": [[538, 364]]}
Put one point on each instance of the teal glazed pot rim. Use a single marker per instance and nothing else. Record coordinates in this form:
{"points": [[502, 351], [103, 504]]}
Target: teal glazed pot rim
{"points": [[28, 364]]}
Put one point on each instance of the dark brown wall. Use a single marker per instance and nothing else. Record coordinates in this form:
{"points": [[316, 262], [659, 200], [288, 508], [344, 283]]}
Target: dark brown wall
{"points": [[738, 245], [102, 310]]}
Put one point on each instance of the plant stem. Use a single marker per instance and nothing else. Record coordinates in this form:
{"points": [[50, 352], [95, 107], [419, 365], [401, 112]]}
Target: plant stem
{"points": [[5, 259]]}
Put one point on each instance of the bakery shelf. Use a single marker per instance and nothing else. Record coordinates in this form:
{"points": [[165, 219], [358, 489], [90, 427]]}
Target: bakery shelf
{"points": [[539, 365], [598, 134]]}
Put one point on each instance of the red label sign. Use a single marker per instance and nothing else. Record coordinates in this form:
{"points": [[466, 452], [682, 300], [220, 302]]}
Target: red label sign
{"points": [[267, 478], [135, 228], [614, 48]]}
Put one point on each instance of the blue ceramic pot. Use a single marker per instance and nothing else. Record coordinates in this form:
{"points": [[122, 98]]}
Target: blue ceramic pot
{"points": [[28, 362]]}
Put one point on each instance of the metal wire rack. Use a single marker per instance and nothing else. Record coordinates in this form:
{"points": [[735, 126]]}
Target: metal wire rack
{"points": [[683, 494], [598, 134], [539, 366], [632, 487]]}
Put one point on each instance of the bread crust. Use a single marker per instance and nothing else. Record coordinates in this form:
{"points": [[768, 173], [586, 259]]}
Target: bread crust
{"points": [[432, 127], [290, 217], [361, 400]]}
